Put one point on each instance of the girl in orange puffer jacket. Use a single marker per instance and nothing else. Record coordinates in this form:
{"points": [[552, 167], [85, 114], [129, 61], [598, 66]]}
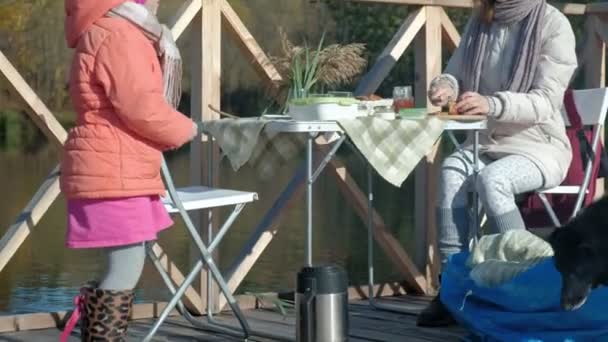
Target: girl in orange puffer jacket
{"points": [[124, 85]]}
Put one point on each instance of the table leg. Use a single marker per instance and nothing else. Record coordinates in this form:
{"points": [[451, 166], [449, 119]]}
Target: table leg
{"points": [[210, 165], [475, 193], [370, 234], [309, 200]]}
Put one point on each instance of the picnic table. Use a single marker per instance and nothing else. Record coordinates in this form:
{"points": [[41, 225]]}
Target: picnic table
{"points": [[391, 147]]}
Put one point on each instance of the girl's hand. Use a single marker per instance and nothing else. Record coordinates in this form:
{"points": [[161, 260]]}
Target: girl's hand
{"points": [[472, 103], [194, 130]]}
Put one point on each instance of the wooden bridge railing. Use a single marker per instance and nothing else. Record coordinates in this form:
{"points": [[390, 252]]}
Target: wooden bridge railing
{"points": [[428, 27]]}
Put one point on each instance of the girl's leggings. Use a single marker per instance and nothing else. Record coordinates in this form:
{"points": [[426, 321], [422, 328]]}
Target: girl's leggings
{"points": [[124, 267]]}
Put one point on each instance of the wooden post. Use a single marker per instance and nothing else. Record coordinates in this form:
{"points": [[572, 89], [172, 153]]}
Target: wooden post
{"points": [[206, 92], [382, 234], [428, 65]]}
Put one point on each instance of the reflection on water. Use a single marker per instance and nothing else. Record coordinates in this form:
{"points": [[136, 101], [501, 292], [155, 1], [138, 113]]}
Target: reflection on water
{"points": [[44, 275]]}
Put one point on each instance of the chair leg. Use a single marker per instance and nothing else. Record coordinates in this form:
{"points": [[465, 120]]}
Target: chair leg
{"points": [[549, 209], [206, 259], [174, 301], [164, 276]]}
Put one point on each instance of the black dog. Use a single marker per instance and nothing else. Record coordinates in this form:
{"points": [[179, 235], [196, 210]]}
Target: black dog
{"points": [[581, 254]]}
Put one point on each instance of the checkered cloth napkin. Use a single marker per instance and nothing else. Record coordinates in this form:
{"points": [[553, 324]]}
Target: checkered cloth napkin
{"points": [[245, 140], [394, 147]]}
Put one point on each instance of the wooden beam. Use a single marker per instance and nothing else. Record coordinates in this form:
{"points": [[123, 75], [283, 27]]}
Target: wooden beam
{"points": [[389, 289], [566, 8], [572, 9], [599, 28], [444, 3], [428, 66], [390, 245], [250, 47], [206, 82], [192, 300], [265, 231], [184, 16], [450, 34], [30, 216], [270, 224], [40, 114], [391, 54], [597, 8]]}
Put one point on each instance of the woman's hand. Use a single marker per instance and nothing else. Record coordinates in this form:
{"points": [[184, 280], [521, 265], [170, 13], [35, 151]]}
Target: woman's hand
{"points": [[440, 95], [472, 103]]}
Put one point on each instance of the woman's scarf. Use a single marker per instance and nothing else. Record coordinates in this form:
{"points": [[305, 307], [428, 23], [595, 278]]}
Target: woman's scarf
{"points": [[531, 14]]}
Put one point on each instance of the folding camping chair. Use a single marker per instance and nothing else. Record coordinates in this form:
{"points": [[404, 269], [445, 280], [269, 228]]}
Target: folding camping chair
{"points": [[201, 198], [592, 105]]}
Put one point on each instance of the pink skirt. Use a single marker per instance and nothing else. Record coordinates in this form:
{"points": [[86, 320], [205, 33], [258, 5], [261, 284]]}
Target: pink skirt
{"points": [[115, 222]]}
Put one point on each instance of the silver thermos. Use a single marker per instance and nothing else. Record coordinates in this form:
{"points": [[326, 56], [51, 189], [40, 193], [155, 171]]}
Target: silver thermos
{"points": [[322, 305]]}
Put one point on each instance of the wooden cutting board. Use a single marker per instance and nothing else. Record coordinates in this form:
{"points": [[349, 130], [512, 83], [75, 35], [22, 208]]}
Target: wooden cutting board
{"points": [[468, 118]]}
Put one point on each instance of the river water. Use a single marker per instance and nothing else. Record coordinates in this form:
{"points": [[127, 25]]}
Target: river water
{"points": [[44, 275]]}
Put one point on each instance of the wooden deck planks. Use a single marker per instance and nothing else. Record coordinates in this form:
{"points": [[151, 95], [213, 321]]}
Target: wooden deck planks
{"points": [[366, 324]]}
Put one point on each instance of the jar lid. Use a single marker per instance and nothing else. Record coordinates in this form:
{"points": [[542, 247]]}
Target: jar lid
{"points": [[326, 279]]}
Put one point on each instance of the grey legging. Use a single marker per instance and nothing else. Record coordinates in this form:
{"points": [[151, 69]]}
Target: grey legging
{"points": [[124, 267], [498, 183]]}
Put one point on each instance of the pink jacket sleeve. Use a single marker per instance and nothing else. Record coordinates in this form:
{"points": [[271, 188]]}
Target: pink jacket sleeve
{"points": [[127, 67]]}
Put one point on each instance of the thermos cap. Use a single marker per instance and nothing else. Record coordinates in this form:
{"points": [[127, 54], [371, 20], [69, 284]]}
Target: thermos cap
{"points": [[321, 280]]}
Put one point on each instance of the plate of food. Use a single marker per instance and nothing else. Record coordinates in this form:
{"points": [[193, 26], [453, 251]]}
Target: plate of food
{"points": [[452, 114], [413, 113]]}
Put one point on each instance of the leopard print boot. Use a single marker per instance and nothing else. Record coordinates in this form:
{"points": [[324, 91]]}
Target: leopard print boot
{"points": [[105, 315]]}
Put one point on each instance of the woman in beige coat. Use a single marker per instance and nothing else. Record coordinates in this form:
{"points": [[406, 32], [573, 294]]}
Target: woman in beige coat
{"points": [[515, 61]]}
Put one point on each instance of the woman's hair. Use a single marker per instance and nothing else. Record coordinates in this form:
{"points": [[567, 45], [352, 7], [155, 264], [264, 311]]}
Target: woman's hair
{"points": [[486, 9]]}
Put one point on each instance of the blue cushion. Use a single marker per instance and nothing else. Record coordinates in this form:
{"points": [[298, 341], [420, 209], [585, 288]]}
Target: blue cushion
{"points": [[524, 309]]}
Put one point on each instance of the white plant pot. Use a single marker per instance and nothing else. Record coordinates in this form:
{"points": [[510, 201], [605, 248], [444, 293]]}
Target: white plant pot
{"points": [[324, 112]]}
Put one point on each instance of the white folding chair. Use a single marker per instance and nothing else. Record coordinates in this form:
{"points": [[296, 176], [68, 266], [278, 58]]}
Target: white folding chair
{"points": [[191, 199], [592, 105]]}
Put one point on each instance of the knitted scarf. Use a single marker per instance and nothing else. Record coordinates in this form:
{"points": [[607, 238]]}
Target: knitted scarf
{"points": [[161, 37], [507, 12]]}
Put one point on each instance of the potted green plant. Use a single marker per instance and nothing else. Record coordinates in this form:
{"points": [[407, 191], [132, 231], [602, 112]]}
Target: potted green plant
{"points": [[309, 73]]}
